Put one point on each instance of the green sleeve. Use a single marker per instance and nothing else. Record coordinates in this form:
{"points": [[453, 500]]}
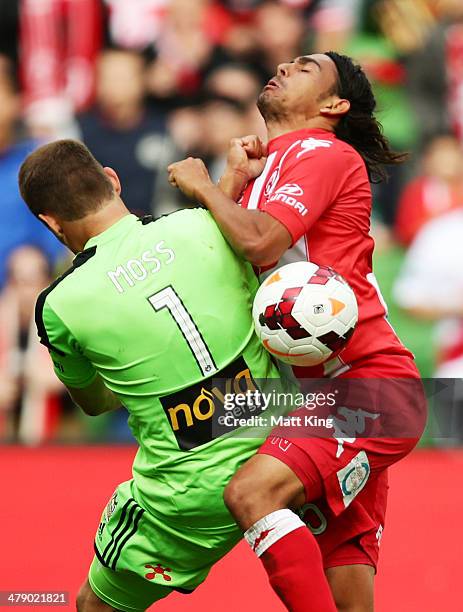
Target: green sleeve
{"points": [[71, 365]]}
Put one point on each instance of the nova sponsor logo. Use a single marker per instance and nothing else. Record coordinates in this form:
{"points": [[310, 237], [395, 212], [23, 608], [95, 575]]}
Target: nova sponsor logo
{"points": [[190, 411], [313, 143], [288, 194]]}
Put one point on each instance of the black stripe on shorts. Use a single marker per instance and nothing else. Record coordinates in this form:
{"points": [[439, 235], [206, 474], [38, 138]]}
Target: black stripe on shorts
{"points": [[128, 535], [123, 525]]}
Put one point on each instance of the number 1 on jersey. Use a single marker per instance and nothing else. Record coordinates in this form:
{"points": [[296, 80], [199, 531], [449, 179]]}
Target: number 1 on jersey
{"points": [[167, 298]]}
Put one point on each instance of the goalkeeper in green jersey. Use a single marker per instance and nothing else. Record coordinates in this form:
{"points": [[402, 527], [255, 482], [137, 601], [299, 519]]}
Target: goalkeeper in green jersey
{"points": [[150, 314]]}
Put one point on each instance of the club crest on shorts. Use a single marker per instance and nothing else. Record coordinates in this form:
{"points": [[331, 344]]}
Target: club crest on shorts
{"points": [[353, 477], [107, 513], [110, 507]]}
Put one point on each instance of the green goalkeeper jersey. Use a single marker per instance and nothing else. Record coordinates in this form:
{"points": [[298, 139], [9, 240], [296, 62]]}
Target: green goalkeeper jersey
{"points": [[161, 310]]}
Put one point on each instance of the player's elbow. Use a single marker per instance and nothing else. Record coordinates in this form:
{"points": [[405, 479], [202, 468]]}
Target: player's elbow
{"points": [[91, 411], [96, 408], [91, 408], [267, 242], [261, 252], [94, 399]]}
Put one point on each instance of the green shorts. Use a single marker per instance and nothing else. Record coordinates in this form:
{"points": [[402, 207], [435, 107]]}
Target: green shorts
{"points": [[140, 558]]}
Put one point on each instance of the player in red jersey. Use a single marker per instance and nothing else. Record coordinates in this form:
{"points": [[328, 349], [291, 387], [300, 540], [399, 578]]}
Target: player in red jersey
{"points": [[307, 195]]}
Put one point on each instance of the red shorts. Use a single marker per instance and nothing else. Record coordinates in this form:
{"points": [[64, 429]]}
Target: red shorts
{"points": [[344, 475]]}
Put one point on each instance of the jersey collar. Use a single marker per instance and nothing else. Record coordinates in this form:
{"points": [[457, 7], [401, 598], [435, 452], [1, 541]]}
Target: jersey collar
{"points": [[278, 141], [117, 229]]}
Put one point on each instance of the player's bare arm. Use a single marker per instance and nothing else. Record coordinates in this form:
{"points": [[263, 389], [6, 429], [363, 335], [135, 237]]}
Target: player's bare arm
{"points": [[94, 399], [253, 234]]}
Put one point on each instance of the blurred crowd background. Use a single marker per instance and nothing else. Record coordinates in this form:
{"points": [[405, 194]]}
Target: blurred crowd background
{"points": [[147, 82]]}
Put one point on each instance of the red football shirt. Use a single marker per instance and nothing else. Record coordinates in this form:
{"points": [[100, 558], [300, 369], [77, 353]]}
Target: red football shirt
{"points": [[317, 187]]}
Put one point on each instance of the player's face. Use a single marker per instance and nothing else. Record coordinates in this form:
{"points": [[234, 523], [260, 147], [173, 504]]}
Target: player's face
{"points": [[299, 87]]}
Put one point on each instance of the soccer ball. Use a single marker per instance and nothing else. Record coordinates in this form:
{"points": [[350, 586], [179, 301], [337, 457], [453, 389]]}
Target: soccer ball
{"points": [[304, 314]]}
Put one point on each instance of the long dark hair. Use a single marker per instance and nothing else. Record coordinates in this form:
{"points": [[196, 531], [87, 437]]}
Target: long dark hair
{"points": [[359, 127]]}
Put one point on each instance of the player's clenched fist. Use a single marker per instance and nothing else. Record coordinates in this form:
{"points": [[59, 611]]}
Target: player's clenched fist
{"points": [[247, 156], [190, 176]]}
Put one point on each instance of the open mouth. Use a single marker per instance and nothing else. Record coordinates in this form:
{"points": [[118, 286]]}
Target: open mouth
{"points": [[272, 84]]}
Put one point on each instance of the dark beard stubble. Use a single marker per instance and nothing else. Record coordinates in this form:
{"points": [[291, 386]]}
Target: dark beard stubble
{"points": [[270, 108]]}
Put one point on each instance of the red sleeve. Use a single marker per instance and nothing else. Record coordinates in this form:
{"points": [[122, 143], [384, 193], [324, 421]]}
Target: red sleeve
{"points": [[308, 184]]}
